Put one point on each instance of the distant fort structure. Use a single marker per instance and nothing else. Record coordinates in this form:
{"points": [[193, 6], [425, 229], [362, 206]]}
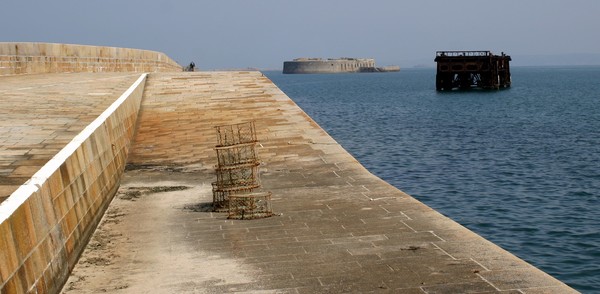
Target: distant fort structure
{"points": [[334, 65]]}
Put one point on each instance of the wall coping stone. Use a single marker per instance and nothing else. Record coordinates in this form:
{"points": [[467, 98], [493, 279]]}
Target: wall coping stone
{"points": [[41, 57], [17, 198]]}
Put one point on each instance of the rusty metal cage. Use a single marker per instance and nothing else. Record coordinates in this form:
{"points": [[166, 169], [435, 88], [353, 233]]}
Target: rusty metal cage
{"points": [[221, 195], [241, 175], [241, 133], [238, 174], [237, 154], [220, 199], [250, 205]]}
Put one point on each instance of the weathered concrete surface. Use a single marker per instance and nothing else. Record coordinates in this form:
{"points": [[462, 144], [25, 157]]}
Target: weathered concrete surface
{"points": [[46, 223], [340, 229], [40, 114]]}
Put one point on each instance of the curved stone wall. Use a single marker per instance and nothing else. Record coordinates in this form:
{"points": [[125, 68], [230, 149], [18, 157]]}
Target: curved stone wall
{"points": [[27, 58], [327, 65]]}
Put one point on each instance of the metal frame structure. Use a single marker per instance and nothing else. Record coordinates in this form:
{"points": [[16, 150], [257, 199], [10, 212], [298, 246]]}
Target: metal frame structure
{"points": [[234, 134], [472, 69], [238, 174], [250, 205], [241, 175], [221, 195], [236, 154]]}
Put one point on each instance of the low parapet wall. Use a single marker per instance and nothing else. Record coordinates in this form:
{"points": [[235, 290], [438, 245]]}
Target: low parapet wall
{"points": [[27, 58], [46, 223]]}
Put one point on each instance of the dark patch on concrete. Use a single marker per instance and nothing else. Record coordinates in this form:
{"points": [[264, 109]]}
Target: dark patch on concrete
{"points": [[130, 195], [151, 167], [160, 189], [133, 193], [75, 280], [97, 261], [113, 216], [413, 248], [200, 207]]}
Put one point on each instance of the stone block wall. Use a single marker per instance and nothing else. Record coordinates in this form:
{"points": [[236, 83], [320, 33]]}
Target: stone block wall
{"points": [[26, 58], [46, 223]]}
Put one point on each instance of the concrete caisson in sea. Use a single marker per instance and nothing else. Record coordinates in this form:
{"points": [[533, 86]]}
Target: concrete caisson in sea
{"points": [[334, 65], [472, 69]]}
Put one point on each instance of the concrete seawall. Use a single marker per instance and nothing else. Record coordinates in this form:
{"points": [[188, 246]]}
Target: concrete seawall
{"points": [[46, 223], [338, 229], [27, 58]]}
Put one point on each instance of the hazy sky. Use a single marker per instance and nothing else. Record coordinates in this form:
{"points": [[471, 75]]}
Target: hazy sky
{"points": [[263, 33]]}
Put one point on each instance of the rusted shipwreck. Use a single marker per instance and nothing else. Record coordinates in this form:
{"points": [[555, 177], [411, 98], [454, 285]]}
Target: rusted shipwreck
{"points": [[472, 69]]}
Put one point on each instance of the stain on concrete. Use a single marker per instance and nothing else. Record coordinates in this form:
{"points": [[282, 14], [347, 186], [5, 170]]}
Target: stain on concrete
{"points": [[133, 193], [199, 207]]}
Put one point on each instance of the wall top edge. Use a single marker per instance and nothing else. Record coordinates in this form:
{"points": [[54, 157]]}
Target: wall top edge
{"points": [[75, 45], [76, 50], [18, 197], [11, 204]]}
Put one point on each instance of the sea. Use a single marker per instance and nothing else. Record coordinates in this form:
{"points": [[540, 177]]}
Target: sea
{"points": [[519, 166]]}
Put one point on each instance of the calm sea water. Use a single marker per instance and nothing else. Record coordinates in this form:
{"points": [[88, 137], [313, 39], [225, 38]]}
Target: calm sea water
{"points": [[520, 167]]}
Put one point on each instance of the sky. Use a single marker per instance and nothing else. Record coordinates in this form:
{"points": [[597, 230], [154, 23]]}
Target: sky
{"points": [[225, 34]]}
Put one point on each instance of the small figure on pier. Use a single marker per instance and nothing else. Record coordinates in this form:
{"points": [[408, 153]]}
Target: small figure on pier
{"points": [[191, 66]]}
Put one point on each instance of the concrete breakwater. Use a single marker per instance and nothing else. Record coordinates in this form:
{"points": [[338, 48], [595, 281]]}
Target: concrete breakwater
{"points": [[339, 228], [337, 65]]}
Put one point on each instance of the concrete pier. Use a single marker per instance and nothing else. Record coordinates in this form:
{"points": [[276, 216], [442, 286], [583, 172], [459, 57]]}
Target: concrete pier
{"points": [[339, 228], [109, 175]]}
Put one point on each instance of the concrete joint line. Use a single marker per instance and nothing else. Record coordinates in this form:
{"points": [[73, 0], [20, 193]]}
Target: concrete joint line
{"points": [[404, 214], [336, 165], [380, 198], [414, 231], [323, 159], [364, 194], [445, 252], [320, 282], [481, 265], [435, 235], [491, 284]]}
